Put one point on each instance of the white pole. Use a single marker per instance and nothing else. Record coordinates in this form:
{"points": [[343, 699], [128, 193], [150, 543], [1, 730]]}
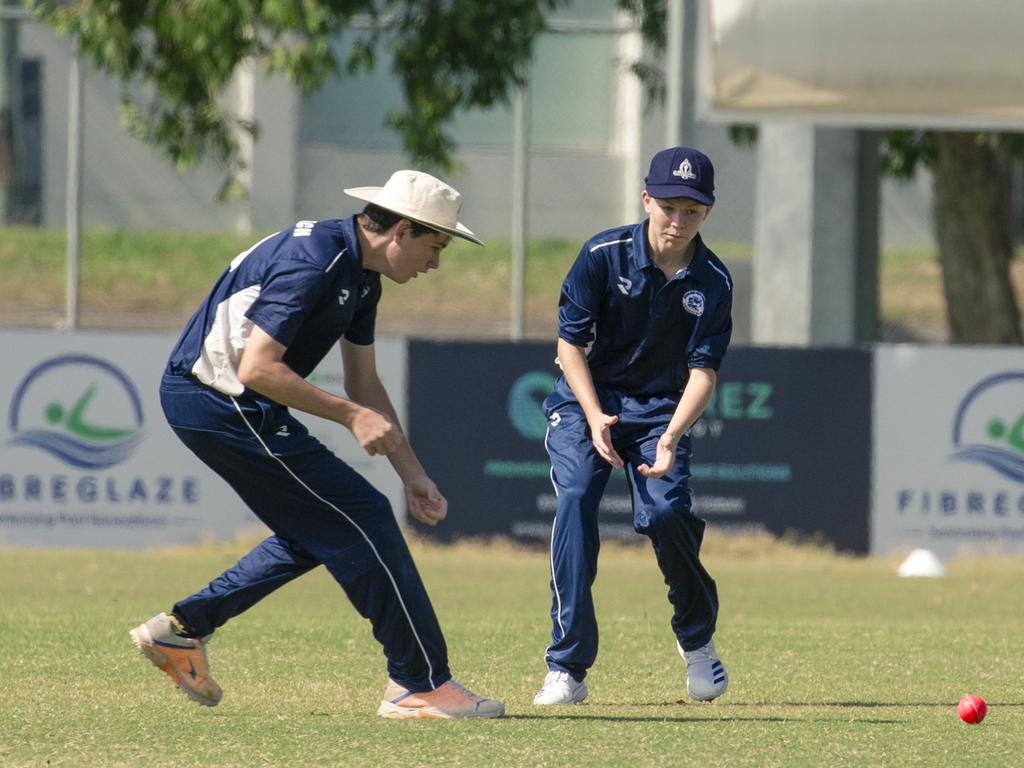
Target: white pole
{"points": [[520, 160], [629, 108], [674, 75], [73, 196], [245, 103]]}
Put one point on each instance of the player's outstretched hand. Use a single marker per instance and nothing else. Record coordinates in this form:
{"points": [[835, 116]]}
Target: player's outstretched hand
{"points": [[663, 460], [376, 433], [426, 503], [601, 433]]}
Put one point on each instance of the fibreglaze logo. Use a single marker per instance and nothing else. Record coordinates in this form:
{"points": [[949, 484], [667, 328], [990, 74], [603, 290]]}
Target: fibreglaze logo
{"points": [[79, 408], [989, 425]]}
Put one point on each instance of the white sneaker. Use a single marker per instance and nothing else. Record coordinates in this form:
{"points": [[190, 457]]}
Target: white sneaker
{"points": [[560, 688], [706, 678]]}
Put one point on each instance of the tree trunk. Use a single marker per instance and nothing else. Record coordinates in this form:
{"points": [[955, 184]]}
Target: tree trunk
{"points": [[974, 229]]}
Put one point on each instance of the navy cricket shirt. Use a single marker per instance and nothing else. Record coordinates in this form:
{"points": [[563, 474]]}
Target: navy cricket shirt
{"points": [[304, 286], [645, 331]]}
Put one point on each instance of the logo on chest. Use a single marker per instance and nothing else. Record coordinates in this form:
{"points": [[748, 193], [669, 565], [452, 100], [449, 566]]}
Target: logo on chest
{"points": [[624, 285], [693, 302]]}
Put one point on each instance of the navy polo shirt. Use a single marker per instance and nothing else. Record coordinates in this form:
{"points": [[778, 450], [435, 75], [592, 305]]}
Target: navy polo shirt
{"points": [[644, 331], [304, 286]]}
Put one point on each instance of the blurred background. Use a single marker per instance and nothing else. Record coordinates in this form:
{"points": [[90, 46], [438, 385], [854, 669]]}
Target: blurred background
{"points": [[868, 206]]}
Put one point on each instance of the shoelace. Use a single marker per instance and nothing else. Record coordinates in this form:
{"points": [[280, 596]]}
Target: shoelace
{"points": [[701, 654], [465, 690]]}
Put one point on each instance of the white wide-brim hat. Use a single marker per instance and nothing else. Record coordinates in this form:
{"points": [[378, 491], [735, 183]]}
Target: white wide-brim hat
{"points": [[419, 197]]}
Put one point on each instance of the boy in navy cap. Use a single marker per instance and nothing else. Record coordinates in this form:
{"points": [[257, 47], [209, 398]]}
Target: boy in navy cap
{"points": [[644, 320]]}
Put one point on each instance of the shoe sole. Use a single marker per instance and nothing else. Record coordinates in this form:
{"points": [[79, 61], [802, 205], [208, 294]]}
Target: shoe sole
{"points": [[143, 640], [394, 712], [704, 698]]}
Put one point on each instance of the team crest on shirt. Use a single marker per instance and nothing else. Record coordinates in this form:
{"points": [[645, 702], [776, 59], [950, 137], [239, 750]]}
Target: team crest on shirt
{"points": [[624, 285], [693, 302]]}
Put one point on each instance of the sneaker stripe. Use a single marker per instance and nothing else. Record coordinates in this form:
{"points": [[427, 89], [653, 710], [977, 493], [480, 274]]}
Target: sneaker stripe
{"points": [[391, 578], [165, 644]]}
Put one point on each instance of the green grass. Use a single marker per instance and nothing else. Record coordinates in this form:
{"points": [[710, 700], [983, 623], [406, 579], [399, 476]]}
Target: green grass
{"points": [[163, 276], [165, 271], [154, 280], [834, 661]]}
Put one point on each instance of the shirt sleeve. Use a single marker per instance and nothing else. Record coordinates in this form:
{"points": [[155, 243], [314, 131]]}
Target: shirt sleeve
{"points": [[580, 302], [288, 293], [715, 339], [364, 322]]}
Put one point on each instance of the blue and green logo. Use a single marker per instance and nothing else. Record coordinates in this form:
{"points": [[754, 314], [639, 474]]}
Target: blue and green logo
{"points": [[525, 399], [989, 425], [79, 408]]}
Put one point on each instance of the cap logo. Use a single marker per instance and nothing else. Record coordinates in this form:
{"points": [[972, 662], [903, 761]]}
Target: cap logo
{"points": [[685, 171]]}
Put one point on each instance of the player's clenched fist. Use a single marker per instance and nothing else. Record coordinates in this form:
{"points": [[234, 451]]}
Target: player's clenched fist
{"points": [[376, 433]]}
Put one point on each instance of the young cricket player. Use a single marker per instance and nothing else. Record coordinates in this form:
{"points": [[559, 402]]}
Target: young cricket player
{"points": [[644, 320], [232, 381]]}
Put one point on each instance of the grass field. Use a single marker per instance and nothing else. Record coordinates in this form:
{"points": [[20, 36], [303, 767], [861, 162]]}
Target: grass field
{"points": [[834, 662]]}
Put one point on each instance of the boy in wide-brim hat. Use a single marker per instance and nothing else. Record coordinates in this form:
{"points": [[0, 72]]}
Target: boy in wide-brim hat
{"points": [[232, 379]]}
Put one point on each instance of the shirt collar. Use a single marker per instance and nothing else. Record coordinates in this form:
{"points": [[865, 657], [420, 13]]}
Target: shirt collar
{"points": [[640, 257], [698, 267], [348, 230]]}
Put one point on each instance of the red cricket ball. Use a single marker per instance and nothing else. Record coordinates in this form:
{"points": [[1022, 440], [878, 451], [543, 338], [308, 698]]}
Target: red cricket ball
{"points": [[972, 709]]}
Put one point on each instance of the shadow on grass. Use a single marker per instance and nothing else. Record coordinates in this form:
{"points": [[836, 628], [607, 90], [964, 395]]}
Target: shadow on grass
{"points": [[670, 719], [865, 704]]}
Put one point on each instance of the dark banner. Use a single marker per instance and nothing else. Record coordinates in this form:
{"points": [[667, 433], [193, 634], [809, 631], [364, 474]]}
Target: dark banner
{"points": [[783, 447]]}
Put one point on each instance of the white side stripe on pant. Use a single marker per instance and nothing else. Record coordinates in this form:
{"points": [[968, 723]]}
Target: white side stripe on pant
{"points": [[318, 497], [551, 549]]}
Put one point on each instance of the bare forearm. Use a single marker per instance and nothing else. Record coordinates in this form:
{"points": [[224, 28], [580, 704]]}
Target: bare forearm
{"points": [[695, 398], [577, 373], [282, 385], [403, 459]]}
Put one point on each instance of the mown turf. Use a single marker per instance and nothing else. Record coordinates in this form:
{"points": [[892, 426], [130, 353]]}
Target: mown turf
{"points": [[834, 662]]}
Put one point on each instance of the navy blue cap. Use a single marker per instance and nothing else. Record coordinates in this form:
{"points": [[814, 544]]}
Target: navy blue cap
{"points": [[681, 172]]}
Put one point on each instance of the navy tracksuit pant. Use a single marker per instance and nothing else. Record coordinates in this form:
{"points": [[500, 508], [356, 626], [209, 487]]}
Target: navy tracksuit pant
{"points": [[322, 512], [661, 511]]}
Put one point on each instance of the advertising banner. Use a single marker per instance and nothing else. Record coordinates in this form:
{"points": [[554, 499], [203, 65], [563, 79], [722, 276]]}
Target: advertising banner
{"points": [[949, 450], [87, 460], [785, 445], [782, 447]]}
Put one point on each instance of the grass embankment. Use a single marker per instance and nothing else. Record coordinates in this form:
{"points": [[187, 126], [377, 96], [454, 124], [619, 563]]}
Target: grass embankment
{"points": [[154, 280]]}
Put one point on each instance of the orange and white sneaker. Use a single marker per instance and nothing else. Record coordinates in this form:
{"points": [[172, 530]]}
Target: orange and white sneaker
{"points": [[448, 701], [183, 659]]}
